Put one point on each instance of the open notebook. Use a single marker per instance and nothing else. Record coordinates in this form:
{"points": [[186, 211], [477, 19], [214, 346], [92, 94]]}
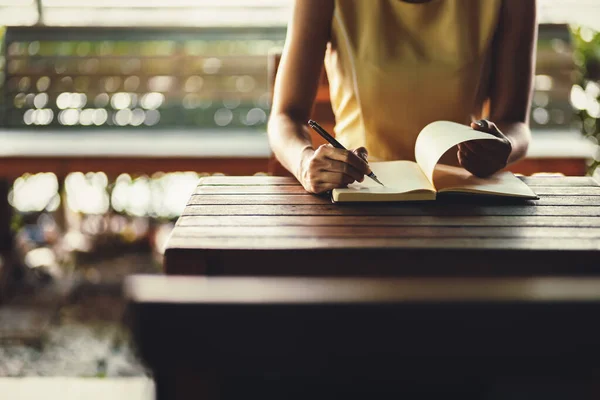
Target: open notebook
{"points": [[422, 180]]}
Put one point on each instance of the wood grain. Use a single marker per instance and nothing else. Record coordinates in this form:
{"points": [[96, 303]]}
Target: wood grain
{"points": [[572, 181], [239, 199], [299, 190], [177, 290], [374, 232], [307, 199], [393, 261], [251, 190], [567, 190], [308, 243], [391, 210], [270, 226], [248, 180], [332, 220]]}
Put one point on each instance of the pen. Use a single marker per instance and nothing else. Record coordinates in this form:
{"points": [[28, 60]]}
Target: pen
{"points": [[317, 128]]}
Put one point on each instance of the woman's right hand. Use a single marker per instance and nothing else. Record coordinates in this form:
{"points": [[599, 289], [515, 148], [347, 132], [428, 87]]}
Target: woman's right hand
{"points": [[328, 168]]}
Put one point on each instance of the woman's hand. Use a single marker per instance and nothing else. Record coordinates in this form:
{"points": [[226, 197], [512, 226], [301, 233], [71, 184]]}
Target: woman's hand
{"points": [[328, 168], [485, 157]]}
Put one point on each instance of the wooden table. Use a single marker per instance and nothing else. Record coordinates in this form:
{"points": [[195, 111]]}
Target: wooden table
{"points": [[270, 226]]}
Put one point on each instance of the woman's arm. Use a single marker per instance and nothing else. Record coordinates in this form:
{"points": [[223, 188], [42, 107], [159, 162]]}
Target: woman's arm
{"points": [[513, 69], [296, 86]]}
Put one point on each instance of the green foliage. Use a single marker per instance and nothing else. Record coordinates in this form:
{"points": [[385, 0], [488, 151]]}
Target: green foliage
{"points": [[586, 93]]}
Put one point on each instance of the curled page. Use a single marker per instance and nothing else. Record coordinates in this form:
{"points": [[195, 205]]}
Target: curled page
{"points": [[440, 136]]}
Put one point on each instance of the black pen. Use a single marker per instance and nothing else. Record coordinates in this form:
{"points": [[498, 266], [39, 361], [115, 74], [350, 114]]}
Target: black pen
{"points": [[317, 128]]}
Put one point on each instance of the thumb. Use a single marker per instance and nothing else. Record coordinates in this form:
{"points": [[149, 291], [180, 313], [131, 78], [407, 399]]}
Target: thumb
{"points": [[362, 153], [483, 125]]}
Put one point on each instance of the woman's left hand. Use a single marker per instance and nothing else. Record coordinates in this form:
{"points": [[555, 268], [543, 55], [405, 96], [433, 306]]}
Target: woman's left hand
{"points": [[484, 157]]}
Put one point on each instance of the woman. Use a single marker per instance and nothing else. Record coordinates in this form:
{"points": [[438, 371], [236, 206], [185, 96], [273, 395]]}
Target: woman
{"points": [[396, 65]]}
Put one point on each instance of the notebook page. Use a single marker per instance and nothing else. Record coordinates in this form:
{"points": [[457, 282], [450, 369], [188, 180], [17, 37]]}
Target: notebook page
{"points": [[454, 179], [437, 138], [397, 176]]}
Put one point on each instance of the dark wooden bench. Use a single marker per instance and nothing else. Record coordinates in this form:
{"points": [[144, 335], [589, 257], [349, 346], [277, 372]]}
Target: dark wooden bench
{"points": [[235, 338]]}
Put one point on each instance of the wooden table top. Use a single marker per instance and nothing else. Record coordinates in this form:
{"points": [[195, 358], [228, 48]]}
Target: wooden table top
{"points": [[271, 226]]}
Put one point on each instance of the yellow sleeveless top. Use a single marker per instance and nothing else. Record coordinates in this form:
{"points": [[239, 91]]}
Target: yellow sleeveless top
{"points": [[394, 67]]}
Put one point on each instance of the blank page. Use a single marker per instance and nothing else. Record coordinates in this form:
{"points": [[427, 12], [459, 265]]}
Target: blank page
{"points": [[399, 177], [454, 179]]}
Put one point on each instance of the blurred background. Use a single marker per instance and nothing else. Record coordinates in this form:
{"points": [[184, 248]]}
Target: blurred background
{"points": [[111, 110]]}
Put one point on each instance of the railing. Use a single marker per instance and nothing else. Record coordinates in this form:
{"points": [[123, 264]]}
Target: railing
{"points": [[102, 77]]}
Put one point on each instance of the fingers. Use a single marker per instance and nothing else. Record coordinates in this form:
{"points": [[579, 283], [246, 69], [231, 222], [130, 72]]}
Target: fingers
{"points": [[331, 168], [324, 181], [472, 146], [481, 146], [348, 157], [479, 165], [337, 160], [335, 178], [343, 168], [485, 157], [471, 164]]}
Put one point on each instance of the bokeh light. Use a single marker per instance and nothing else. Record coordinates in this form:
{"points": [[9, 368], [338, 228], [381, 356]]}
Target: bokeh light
{"points": [[87, 193], [35, 193]]}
